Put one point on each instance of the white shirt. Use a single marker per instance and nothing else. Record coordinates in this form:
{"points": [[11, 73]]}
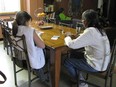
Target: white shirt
{"points": [[36, 55], [97, 48]]}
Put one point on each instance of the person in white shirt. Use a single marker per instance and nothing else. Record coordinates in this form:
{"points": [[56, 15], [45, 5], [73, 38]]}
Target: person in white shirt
{"points": [[97, 48], [35, 44]]}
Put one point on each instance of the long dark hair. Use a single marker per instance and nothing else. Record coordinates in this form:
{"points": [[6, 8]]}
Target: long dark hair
{"points": [[92, 19], [21, 18]]}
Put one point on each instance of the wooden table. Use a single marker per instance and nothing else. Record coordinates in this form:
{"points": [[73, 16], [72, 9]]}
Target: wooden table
{"points": [[55, 46]]}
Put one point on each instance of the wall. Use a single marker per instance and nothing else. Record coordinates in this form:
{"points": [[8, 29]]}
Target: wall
{"points": [[31, 5], [86, 4], [90, 4], [111, 14], [26, 5], [63, 3]]}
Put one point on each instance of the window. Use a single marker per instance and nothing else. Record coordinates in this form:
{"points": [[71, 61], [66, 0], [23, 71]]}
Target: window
{"points": [[9, 5]]}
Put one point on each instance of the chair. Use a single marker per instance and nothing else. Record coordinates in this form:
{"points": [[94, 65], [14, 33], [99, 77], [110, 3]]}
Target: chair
{"points": [[51, 17], [111, 33], [108, 73], [20, 58], [4, 27]]}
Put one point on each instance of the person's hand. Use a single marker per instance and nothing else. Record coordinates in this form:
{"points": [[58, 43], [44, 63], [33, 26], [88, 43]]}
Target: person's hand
{"points": [[41, 23], [74, 36], [67, 33]]}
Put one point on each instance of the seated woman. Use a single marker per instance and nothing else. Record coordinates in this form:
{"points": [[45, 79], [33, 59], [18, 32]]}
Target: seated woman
{"points": [[35, 44], [97, 48]]}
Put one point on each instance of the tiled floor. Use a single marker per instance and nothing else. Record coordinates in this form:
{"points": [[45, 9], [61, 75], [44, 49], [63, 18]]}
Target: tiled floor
{"points": [[7, 67]]}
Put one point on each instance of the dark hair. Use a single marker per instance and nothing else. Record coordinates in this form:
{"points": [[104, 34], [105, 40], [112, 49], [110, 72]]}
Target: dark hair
{"points": [[60, 10], [21, 18], [92, 18]]}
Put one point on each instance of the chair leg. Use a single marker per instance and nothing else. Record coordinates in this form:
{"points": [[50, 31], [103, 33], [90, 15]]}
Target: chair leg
{"points": [[7, 49], [111, 80], [29, 78], [105, 83], [50, 82], [4, 43], [15, 78], [11, 50], [7, 46]]}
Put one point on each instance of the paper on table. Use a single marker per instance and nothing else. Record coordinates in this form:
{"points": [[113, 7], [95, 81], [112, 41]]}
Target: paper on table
{"points": [[55, 37], [39, 32]]}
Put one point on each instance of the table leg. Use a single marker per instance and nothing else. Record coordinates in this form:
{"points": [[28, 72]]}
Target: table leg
{"points": [[55, 59]]}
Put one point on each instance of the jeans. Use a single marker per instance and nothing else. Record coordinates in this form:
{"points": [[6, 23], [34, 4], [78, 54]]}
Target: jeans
{"points": [[74, 64]]}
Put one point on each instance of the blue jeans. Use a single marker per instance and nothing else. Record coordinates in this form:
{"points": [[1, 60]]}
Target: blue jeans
{"points": [[74, 64]]}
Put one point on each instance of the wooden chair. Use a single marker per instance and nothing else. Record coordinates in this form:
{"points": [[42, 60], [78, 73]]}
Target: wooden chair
{"points": [[18, 53], [5, 27], [51, 18], [108, 73], [111, 33]]}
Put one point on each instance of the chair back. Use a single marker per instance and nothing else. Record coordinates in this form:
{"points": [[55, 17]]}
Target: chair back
{"points": [[111, 64], [19, 50], [57, 18], [51, 18], [5, 26], [111, 33], [52, 15]]}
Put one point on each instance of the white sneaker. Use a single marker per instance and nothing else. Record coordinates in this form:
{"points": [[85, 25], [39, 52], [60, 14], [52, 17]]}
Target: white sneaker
{"points": [[83, 85]]}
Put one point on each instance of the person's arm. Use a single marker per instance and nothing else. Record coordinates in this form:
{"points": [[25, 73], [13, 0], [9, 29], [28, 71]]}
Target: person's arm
{"points": [[83, 40], [38, 41]]}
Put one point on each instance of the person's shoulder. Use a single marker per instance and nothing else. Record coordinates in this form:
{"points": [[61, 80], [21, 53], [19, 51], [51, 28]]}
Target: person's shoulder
{"points": [[26, 29], [29, 28], [90, 30]]}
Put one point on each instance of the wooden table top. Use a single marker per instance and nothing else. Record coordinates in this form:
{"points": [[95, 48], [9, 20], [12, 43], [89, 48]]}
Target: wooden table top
{"points": [[49, 33]]}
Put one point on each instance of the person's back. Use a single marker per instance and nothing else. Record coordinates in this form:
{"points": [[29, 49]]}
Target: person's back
{"points": [[97, 48], [34, 43], [36, 55]]}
